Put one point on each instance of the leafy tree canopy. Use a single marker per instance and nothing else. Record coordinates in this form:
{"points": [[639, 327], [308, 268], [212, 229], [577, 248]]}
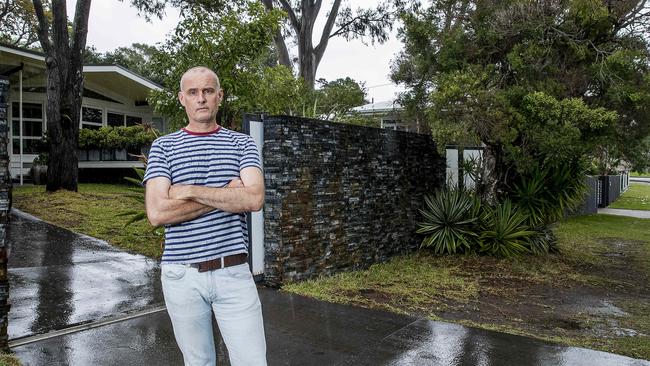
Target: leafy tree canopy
{"points": [[236, 45], [367, 24], [335, 99], [537, 82], [18, 23]]}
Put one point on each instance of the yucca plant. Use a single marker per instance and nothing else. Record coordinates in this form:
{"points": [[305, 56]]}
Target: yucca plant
{"points": [[547, 193], [543, 241], [505, 232], [450, 222]]}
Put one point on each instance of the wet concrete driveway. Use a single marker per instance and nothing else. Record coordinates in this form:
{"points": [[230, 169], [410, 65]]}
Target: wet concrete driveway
{"points": [[60, 279]]}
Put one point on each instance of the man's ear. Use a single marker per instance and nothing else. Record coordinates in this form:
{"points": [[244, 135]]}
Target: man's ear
{"points": [[181, 98]]}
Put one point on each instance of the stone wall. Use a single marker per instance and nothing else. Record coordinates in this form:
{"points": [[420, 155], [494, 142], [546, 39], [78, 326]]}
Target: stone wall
{"points": [[5, 207], [341, 197]]}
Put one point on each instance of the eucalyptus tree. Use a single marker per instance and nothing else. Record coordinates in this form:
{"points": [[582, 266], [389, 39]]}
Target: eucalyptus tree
{"points": [[369, 24], [64, 58]]}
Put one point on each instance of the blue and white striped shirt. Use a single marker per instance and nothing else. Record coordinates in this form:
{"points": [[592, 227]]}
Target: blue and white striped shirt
{"points": [[209, 159]]}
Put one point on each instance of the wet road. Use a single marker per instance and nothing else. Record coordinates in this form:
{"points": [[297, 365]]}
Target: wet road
{"points": [[302, 331], [59, 278]]}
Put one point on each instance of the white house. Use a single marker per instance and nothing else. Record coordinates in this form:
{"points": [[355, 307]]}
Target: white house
{"points": [[112, 96], [390, 116]]}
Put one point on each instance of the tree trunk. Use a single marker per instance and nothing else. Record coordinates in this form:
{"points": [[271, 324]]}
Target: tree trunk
{"points": [[492, 165], [64, 98], [64, 68], [306, 56]]}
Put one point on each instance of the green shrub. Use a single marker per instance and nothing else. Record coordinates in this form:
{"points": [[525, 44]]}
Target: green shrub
{"points": [[450, 222], [505, 232], [108, 137]]}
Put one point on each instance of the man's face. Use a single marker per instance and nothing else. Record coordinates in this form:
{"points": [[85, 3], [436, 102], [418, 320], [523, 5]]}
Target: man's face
{"points": [[200, 96]]}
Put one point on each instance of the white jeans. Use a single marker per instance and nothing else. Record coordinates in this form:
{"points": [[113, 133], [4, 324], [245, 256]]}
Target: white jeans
{"points": [[191, 297]]}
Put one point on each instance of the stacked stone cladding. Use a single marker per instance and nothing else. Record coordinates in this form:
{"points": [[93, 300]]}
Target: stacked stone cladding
{"points": [[341, 197]]}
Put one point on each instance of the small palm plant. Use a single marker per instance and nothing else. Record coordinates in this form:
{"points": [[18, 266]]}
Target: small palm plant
{"points": [[450, 221], [138, 191], [138, 195]]}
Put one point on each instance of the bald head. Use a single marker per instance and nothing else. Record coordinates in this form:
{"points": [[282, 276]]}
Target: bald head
{"points": [[200, 71]]}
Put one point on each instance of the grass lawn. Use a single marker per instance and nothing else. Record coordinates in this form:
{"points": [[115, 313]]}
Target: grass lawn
{"points": [[8, 360], [595, 294], [92, 211], [637, 197], [637, 174]]}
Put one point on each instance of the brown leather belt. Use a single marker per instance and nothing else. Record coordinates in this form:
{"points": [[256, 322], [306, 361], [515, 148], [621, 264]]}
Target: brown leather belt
{"points": [[229, 261]]}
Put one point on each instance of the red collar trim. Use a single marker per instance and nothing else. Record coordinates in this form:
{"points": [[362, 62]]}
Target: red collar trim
{"points": [[201, 133]]}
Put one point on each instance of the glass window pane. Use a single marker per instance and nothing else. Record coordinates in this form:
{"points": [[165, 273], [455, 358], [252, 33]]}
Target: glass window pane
{"points": [[30, 128], [30, 146], [33, 129], [91, 115], [132, 120], [30, 110], [115, 119]]}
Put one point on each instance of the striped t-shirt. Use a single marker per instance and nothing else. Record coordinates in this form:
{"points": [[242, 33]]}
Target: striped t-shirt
{"points": [[209, 159]]}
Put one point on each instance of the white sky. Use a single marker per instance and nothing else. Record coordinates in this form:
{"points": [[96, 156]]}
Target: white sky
{"points": [[115, 24]]}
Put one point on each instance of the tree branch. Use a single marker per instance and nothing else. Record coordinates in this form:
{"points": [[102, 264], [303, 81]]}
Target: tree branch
{"points": [[327, 29], [280, 45], [295, 23], [60, 36], [43, 27], [342, 28], [5, 9], [80, 30]]}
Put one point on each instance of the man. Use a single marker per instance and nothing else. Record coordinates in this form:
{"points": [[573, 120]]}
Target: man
{"points": [[199, 182]]}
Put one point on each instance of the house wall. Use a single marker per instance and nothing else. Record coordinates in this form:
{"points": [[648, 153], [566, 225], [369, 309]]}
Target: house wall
{"points": [[126, 107], [341, 197]]}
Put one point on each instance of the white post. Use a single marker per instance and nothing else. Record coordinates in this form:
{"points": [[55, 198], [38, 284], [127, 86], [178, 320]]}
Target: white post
{"points": [[20, 122]]}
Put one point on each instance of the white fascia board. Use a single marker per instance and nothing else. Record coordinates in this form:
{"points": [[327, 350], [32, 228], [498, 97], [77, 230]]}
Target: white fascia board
{"points": [[124, 72], [22, 53]]}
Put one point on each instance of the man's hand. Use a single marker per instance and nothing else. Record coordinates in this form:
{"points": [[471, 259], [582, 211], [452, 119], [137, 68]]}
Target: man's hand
{"points": [[180, 192], [185, 192], [235, 183]]}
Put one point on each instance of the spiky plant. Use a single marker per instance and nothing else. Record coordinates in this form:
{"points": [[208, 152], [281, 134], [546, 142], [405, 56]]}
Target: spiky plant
{"points": [[450, 220]]}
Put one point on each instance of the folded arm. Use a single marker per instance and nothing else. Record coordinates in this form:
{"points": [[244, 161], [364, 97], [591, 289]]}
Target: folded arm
{"points": [[162, 209], [248, 198]]}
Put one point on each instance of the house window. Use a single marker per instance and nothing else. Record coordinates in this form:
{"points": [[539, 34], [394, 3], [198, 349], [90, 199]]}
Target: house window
{"points": [[389, 124], [32, 127], [91, 117], [115, 119], [133, 120]]}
